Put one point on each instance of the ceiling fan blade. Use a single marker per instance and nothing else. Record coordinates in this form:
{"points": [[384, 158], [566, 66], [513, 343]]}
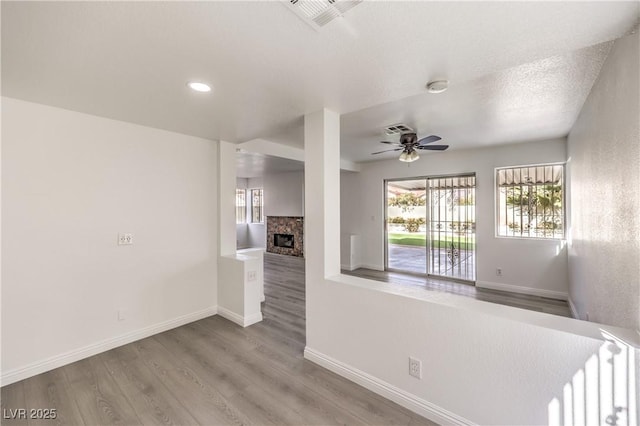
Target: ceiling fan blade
{"points": [[429, 139], [433, 147], [386, 150], [390, 143]]}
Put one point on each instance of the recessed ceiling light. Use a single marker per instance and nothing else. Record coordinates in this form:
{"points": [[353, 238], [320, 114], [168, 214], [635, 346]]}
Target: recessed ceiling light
{"points": [[199, 87], [437, 86]]}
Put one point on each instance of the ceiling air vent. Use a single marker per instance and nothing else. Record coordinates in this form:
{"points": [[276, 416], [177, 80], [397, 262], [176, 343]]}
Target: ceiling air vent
{"points": [[318, 13], [398, 129]]}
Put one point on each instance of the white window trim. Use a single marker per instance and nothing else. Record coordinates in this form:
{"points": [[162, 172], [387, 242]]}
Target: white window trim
{"points": [[245, 206], [250, 207], [496, 201]]}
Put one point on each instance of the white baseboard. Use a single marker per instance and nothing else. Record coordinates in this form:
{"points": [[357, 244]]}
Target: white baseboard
{"points": [[239, 319], [56, 361], [551, 294], [397, 395], [350, 267], [374, 267], [574, 311], [252, 319]]}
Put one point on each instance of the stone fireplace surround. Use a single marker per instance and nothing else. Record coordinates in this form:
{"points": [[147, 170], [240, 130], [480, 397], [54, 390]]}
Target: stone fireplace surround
{"points": [[291, 225]]}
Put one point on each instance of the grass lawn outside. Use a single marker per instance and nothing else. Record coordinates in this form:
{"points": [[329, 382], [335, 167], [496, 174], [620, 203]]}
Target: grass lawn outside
{"points": [[419, 239]]}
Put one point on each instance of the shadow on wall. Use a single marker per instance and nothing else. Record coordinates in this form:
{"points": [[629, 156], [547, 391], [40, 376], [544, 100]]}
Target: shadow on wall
{"points": [[603, 392]]}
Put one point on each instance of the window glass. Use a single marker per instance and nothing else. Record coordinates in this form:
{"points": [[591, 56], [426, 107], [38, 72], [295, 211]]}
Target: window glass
{"points": [[530, 201]]}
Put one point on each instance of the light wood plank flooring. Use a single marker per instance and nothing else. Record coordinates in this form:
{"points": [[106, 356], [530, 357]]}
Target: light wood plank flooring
{"points": [[211, 372], [523, 301]]}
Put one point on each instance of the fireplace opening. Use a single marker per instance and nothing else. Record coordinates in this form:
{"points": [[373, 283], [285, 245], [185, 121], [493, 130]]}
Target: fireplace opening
{"points": [[283, 240]]}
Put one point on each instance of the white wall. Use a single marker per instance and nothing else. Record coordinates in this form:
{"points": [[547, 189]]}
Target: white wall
{"points": [[255, 182], [70, 183], [604, 153], [482, 363], [284, 194], [532, 266], [350, 246]]}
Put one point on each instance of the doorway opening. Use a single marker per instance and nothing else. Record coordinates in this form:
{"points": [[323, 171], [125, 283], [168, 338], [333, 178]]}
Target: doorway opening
{"points": [[430, 226]]}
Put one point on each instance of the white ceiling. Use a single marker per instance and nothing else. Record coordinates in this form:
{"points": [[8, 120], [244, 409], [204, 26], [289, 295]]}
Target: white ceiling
{"points": [[534, 101], [252, 164], [518, 71]]}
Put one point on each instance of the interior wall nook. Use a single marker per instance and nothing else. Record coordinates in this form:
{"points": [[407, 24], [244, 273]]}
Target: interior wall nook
{"points": [[536, 267]]}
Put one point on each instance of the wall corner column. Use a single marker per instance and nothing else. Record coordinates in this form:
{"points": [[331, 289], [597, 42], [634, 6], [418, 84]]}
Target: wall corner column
{"points": [[322, 189], [227, 197], [321, 209], [239, 275]]}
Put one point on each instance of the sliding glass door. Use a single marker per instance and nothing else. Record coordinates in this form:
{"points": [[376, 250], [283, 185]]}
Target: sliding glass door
{"points": [[452, 227], [406, 226], [430, 226]]}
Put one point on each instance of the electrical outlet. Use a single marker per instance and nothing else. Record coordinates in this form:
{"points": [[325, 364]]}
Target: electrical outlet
{"points": [[122, 315], [415, 368], [125, 239], [499, 272], [251, 276]]}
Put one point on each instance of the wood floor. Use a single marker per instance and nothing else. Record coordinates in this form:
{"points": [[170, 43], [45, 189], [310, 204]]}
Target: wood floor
{"points": [[523, 301], [210, 372]]}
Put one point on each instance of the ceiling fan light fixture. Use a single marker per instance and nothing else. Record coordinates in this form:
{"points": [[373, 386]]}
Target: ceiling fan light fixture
{"points": [[408, 157], [437, 86], [409, 143]]}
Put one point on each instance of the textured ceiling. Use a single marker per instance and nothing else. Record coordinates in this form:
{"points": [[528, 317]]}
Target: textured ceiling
{"points": [[131, 60], [251, 164], [534, 101]]}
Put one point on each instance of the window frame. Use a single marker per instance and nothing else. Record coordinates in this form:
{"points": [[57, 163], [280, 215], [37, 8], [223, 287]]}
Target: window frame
{"points": [[251, 207], [244, 192], [496, 206]]}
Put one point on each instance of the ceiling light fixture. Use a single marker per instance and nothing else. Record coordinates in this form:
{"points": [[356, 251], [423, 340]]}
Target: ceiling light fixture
{"points": [[199, 87], [437, 86], [408, 157]]}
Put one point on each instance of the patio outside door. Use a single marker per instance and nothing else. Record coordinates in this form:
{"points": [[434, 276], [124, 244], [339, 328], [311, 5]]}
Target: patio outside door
{"points": [[430, 226], [406, 232]]}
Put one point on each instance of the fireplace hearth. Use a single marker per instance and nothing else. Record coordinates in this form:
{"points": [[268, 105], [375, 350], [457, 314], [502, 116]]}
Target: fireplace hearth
{"points": [[283, 240], [284, 235]]}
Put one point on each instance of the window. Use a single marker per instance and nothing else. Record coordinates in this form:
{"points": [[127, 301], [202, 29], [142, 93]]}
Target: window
{"points": [[241, 206], [530, 201], [256, 206]]}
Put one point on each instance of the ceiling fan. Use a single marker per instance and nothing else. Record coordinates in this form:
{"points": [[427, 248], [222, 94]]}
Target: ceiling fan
{"points": [[409, 144]]}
